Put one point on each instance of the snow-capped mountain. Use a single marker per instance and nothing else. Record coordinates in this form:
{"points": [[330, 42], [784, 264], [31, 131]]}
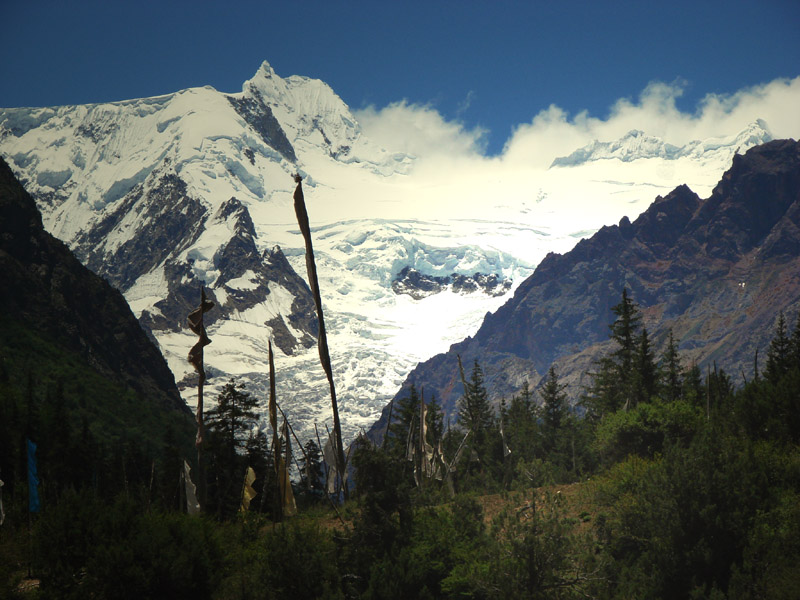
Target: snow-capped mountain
{"points": [[637, 145], [162, 195]]}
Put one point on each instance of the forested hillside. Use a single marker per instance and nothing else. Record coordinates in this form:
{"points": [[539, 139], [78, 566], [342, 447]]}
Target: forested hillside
{"points": [[665, 482]]}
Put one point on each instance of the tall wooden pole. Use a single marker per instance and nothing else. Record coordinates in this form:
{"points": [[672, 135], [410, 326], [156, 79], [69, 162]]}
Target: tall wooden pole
{"points": [[324, 354], [277, 500]]}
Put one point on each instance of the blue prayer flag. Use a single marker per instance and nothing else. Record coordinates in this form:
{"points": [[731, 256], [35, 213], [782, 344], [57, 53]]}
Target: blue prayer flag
{"points": [[33, 479]]}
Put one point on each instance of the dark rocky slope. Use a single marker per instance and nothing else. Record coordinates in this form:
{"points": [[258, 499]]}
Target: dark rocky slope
{"points": [[716, 272], [46, 293]]}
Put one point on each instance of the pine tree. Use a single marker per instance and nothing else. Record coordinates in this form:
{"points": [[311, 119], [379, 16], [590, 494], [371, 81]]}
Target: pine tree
{"points": [[406, 411], [312, 478], [779, 352], [719, 389], [692, 388], [613, 383], [623, 331], [604, 394], [227, 425], [474, 411], [520, 426], [555, 409], [435, 421], [233, 415], [645, 373], [795, 345], [671, 372]]}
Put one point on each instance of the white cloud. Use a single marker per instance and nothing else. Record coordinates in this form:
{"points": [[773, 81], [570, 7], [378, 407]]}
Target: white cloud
{"points": [[419, 130], [552, 133], [453, 177]]}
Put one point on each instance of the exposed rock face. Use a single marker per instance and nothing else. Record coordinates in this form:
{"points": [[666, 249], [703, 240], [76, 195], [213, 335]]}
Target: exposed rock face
{"points": [[166, 214], [51, 292], [259, 116], [168, 223], [716, 272], [419, 285]]}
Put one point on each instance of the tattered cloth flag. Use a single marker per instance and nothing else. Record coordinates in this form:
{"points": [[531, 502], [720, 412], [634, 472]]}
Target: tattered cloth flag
{"points": [[248, 493], [197, 326], [273, 405], [33, 479], [287, 495], [411, 452], [440, 464], [322, 336], [192, 505], [506, 449], [329, 455], [457, 457]]}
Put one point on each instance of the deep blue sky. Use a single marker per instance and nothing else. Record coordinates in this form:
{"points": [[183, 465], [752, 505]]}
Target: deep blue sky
{"points": [[490, 64]]}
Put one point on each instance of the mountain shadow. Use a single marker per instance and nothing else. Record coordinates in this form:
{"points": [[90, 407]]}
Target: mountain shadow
{"points": [[67, 334]]}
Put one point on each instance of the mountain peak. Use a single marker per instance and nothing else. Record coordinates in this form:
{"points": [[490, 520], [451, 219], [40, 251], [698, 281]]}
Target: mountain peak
{"points": [[305, 108], [754, 134], [265, 70], [636, 144]]}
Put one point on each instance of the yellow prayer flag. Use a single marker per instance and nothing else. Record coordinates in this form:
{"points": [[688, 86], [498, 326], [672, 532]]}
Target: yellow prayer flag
{"points": [[248, 493], [287, 495]]}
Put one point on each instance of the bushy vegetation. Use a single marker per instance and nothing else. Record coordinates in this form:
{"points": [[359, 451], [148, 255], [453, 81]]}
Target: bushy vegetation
{"points": [[662, 482]]}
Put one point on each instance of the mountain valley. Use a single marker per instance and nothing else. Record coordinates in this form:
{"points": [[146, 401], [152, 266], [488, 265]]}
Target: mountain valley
{"points": [[164, 195]]}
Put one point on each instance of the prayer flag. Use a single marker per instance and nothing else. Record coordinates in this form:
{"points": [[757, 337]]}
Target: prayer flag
{"points": [[33, 479], [192, 505], [248, 493]]}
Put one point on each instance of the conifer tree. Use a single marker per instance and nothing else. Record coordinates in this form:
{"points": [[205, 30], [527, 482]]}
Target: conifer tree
{"points": [[794, 352], [645, 373], [406, 410], [520, 427], [312, 478], [474, 411], [233, 415], [692, 388], [613, 382], [603, 396], [623, 331], [227, 425], [671, 372], [435, 420], [555, 409], [779, 352], [719, 389]]}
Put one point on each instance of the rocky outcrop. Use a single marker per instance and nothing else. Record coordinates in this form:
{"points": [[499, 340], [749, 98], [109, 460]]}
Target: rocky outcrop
{"points": [[244, 278], [259, 116], [168, 220], [418, 285]]}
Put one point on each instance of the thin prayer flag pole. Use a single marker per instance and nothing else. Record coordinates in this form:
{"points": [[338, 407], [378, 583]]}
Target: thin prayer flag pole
{"points": [[322, 339]]}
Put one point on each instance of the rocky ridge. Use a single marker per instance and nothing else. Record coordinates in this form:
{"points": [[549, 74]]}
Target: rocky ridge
{"points": [[716, 272]]}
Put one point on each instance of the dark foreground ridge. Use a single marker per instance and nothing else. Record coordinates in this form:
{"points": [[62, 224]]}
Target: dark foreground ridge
{"points": [[48, 293]]}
